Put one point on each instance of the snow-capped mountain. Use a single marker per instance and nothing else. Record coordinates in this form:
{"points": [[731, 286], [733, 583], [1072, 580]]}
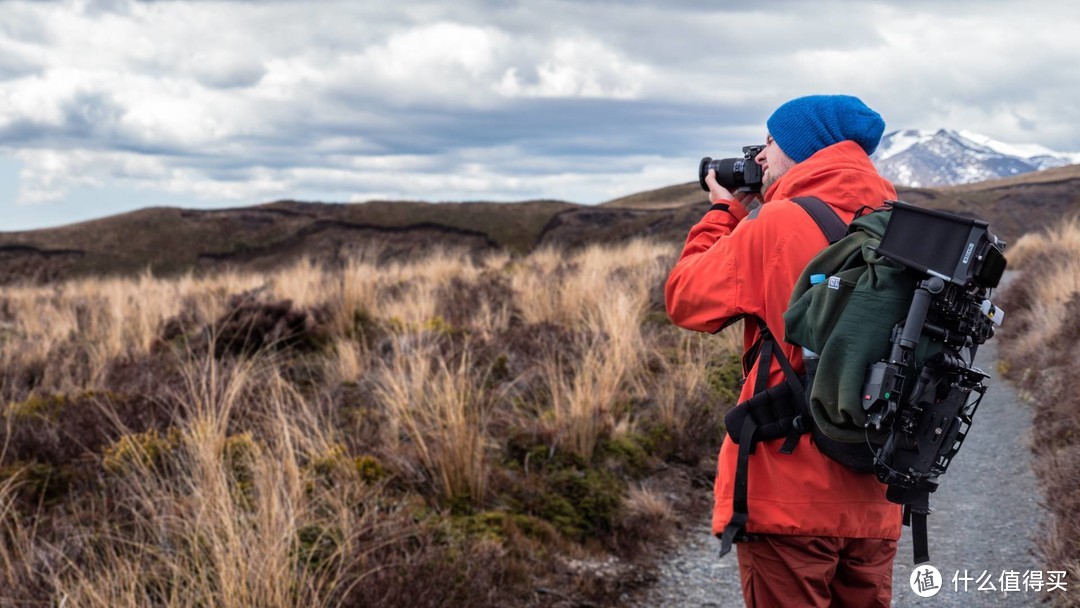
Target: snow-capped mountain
{"points": [[914, 157]]}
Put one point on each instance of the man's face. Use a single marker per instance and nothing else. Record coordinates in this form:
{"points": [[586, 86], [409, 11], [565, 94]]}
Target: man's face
{"points": [[774, 163]]}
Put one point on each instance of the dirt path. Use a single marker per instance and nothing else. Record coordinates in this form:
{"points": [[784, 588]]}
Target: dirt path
{"points": [[986, 519]]}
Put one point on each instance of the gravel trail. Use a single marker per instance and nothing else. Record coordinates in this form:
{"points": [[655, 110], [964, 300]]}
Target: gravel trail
{"points": [[986, 517]]}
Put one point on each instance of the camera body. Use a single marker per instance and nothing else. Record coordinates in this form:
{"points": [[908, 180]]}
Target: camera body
{"points": [[735, 174]]}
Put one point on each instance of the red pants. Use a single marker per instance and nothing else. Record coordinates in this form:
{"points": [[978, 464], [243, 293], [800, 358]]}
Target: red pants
{"points": [[816, 571]]}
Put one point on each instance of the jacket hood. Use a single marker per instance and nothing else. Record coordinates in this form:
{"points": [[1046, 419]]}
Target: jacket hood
{"points": [[840, 174]]}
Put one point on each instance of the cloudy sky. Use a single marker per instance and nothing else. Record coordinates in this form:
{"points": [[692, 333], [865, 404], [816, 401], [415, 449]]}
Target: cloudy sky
{"points": [[112, 105]]}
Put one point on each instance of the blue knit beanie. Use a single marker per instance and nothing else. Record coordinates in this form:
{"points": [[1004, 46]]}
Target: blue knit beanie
{"points": [[805, 125]]}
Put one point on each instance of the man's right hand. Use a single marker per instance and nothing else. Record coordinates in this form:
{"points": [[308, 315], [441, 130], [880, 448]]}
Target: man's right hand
{"points": [[720, 194]]}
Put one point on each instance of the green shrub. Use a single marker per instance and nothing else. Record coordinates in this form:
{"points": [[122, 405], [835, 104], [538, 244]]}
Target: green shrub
{"points": [[369, 468], [149, 450], [628, 453], [47, 407], [503, 527], [724, 379]]}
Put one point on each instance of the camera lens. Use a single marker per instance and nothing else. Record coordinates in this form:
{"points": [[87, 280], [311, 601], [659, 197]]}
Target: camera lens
{"points": [[729, 173], [703, 170], [732, 173]]}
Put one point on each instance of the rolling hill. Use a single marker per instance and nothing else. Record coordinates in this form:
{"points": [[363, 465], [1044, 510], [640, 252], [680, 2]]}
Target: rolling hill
{"points": [[170, 240]]}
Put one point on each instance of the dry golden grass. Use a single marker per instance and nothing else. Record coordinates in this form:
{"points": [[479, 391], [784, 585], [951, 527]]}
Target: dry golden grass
{"points": [[222, 529], [555, 287], [350, 361], [583, 406], [686, 376], [607, 297], [309, 472], [1040, 350], [100, 321], [1054, 258], [1063, 237], [356, 291], [536, 282], [442, 409], [15, 539]]}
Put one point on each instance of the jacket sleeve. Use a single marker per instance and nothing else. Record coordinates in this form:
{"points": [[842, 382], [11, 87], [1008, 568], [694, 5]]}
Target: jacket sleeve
{"points": [[719, 275]]}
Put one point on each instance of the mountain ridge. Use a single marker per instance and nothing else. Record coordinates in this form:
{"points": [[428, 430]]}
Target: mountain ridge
{"points": [[921, 158]]}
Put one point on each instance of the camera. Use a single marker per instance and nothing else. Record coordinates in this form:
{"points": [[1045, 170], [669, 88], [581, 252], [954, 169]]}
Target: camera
{"points": [[735, 174]]}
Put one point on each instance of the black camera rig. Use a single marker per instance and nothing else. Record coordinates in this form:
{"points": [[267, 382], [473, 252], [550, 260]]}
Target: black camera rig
{"points": [[929, 419]]}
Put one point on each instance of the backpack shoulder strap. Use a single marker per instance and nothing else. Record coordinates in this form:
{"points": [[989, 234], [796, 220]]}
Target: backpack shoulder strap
{"points": [[780, 408], [824, 215]]}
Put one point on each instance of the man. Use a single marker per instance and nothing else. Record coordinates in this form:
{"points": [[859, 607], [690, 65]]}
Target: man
{"points": [[817, 533]]}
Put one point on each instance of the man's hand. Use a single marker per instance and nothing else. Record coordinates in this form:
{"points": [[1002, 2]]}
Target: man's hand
{"points": [[720, 194], [717, 193]]}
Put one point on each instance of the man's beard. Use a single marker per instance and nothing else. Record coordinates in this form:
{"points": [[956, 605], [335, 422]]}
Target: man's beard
{"points": [[768, 180], [774, 173]]}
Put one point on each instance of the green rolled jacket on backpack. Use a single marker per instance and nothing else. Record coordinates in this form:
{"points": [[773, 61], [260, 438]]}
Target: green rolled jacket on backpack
{"points": [[848, 320]]}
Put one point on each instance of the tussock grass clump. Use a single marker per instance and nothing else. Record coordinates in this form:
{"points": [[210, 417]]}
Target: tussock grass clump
{"points": [[441, 410], [453, 430], [1041, 354]]}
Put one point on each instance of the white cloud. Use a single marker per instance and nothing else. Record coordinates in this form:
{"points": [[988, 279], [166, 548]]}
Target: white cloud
{"points": [[226, 69], [430, 51], [579, 68], [244, 101], [47, 175], [445, 63]]}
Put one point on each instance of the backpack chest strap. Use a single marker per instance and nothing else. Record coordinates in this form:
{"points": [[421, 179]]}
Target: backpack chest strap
{"points": [[772, 413]]}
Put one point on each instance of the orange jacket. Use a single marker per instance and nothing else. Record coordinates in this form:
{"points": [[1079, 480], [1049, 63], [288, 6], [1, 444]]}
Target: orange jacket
{"points": [[732, 266]]}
